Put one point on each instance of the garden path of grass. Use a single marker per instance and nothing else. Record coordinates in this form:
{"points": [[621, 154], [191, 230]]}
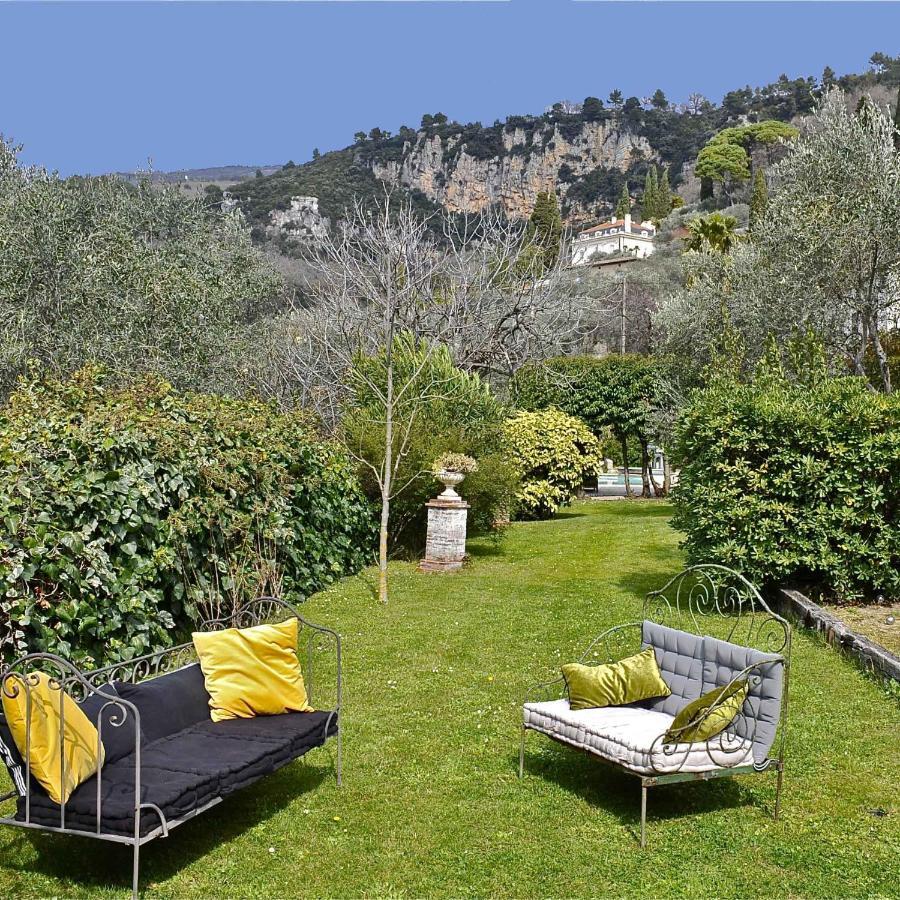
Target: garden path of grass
{"points": [[431, 805]]}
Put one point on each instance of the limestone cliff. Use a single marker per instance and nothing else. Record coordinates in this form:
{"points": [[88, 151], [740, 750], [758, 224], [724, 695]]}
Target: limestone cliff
{"points": [[531, 159]]}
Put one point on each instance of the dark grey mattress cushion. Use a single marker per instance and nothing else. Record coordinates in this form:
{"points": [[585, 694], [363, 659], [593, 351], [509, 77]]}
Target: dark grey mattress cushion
{"points": [[168, 703], [118, 739], [182, 772], [679, 656], [722, 662]]}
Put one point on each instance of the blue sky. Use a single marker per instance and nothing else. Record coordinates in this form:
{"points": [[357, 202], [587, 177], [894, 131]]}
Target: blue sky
{"points": [[103, 86]]}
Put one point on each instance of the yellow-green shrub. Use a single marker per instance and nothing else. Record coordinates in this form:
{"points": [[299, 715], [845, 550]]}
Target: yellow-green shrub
{"points": [[554, 453]]}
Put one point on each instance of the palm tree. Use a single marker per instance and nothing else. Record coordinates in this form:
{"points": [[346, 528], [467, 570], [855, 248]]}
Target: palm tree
{"points": [[716, 233]]}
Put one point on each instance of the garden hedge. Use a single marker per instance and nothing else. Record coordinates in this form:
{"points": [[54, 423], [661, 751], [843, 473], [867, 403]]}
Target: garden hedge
{"points": [[795, 484], [126, 512]]}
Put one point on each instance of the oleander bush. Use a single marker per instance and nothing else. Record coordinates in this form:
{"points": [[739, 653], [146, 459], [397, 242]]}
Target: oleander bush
{"points": [[127, 511], [554, 453], [795, 483]]}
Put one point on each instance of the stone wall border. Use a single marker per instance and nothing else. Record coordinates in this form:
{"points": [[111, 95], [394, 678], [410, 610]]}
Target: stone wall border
{"points": [[870, 655]]}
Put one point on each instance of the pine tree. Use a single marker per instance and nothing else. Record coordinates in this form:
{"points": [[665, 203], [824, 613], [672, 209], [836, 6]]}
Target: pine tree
{"points": [[623, 207], [759, 199], [664, 194]]}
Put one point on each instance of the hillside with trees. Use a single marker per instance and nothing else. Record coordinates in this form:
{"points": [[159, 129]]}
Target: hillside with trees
{"points": [[591, 153]]}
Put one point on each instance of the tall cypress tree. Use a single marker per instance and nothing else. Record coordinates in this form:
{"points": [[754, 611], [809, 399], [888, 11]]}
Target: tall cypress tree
{"points": [[650, 198], [664, 195], [623, 207], [545, 227], [759, 199]]}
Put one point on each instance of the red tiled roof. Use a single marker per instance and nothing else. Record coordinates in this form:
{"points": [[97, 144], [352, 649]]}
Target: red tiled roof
{"points": [[617, 224]]}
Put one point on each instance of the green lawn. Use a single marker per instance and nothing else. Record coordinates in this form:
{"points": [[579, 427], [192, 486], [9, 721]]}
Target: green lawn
{"points": [[431, 804]]}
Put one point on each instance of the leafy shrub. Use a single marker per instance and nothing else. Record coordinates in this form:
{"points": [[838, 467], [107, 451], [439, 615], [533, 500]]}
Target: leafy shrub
{"points": [[794, 483], [126, 510], [617, 393], [554, 453], [445, 411]]}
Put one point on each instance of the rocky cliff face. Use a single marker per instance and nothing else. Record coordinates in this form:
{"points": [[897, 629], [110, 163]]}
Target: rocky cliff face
{"points": [[301, 220], [544, 158]]}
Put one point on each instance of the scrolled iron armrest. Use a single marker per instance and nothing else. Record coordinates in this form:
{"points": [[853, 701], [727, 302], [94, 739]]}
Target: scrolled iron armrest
{"points": [[23, 671], [727, 740]]}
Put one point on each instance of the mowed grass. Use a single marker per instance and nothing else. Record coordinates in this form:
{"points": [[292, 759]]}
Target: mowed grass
{"points": [[431, 805]]}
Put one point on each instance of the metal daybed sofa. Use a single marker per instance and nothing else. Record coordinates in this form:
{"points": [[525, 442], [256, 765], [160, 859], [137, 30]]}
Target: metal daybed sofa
{"points": [[166, 760], [709, 627]]}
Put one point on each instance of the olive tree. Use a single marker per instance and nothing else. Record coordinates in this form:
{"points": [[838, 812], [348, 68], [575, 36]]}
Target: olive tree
{"points": [[141, 278], [824, 256]]}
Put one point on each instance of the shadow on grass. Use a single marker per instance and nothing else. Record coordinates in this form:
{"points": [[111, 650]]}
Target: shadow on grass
{"points": [[639, 507], [86, 863], [485, 548], [566, 514], [639, 584], [620, 793]]}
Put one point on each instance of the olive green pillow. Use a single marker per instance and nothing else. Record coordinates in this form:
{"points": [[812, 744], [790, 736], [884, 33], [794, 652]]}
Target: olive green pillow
{"points": [[615, 684], [698, 722]]}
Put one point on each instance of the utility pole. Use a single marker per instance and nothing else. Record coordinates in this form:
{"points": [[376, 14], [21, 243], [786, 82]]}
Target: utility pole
{"points": [[624, 295]]}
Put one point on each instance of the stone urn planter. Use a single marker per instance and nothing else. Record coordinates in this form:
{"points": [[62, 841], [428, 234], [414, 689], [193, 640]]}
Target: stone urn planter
{"points": [[450, 480], [445, 543]]}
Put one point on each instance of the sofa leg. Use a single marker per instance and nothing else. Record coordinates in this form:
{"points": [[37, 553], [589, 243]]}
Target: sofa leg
{"points": [[135, 871], [778, 790], [643, 816], [339, 758], [522, 753]]}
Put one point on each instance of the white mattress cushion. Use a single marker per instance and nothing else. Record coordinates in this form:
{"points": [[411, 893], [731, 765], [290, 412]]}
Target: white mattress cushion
{"points": [[631, 737]]}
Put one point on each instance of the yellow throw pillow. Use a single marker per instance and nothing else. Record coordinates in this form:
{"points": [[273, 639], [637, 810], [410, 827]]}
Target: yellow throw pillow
{"points": [[702, 719], [252, 671], [83, 753], [615, 684]]}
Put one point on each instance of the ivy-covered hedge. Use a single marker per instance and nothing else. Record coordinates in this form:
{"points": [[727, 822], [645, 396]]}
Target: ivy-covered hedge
{"points": [[794, 483], [126, 511]]}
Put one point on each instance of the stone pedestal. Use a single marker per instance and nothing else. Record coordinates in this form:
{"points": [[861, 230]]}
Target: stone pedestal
{"points": [[445, 544]]}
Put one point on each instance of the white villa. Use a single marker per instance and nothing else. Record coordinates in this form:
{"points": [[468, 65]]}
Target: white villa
{"points": [[619, 236]]}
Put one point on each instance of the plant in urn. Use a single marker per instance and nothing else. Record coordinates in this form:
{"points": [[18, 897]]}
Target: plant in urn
{"points": [[451, 469]]}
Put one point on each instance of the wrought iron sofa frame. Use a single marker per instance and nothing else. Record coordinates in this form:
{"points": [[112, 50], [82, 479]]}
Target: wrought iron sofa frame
{"points": [[66, 677], [685, 602]]}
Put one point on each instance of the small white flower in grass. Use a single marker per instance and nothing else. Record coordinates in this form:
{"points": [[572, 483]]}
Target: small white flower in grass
{"points": [[271, 849]]}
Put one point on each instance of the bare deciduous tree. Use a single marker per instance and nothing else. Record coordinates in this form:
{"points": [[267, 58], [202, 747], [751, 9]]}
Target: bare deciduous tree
{"points": [[483, 291]]}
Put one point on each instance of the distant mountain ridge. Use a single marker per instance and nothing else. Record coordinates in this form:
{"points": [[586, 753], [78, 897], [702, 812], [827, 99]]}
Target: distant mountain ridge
{"points": [[224, 174], [585, 152]]}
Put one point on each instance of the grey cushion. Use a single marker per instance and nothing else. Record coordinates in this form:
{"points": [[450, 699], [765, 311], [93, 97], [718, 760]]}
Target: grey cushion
{"points": [[723, 661], [679, 656], [692, 665]]}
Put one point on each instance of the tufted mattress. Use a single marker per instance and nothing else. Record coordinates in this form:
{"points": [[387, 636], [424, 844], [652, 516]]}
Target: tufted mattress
{"points": [[184, 771], [630, 736]]}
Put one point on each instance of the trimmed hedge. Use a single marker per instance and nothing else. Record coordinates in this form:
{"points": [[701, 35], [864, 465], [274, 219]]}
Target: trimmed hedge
{"points": [[127, 511], [797, 484]]}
